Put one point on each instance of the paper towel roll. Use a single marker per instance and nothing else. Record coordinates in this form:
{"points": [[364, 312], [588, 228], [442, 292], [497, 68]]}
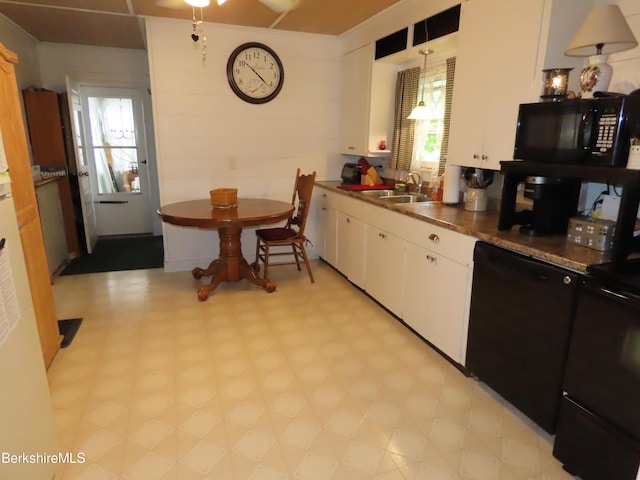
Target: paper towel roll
{"points": [[451, 192]]}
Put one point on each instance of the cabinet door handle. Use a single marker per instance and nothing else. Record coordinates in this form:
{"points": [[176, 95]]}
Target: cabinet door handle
{"points": [[566, 280], [324, 195], [476, 156], [485, 157], [431, 258], [434, 238], [348, 220], [382, 236], [323, 208]]}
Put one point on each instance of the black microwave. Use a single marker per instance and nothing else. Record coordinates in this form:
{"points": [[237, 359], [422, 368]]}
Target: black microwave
{"points": [[595, 131]]}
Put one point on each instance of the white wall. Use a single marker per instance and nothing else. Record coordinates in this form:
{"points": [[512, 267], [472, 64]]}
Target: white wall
{"points": [[208, 138], [626, 65], [58, 60], [25, 46]]}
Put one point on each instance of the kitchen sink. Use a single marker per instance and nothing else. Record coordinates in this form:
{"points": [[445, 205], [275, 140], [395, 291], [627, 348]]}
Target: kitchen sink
{"points": [[375, 193], [406, 198]]}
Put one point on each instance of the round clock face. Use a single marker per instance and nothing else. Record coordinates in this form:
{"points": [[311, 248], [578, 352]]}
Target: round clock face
{"points": [[255, 73]]}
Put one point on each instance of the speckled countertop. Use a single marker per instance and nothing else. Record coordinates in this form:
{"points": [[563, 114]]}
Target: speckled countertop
{"points": [[484, 226]]}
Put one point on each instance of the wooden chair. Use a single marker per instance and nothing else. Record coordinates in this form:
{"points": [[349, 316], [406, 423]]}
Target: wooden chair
{"points": [[291, 235]]}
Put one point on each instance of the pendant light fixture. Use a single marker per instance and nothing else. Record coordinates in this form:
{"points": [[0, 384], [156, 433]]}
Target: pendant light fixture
{"points": [[421, 112]]}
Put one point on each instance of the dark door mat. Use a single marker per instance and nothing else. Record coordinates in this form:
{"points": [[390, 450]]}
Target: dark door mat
{"points": [[68, 329], [116, 254]]}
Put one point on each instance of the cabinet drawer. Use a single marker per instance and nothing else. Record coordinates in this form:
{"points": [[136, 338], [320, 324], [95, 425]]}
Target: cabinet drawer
{"points": [[454, 245], [326, 198]]}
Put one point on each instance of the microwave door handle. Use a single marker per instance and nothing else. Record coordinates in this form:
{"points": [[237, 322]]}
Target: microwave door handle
{"points": [[586, 127]]}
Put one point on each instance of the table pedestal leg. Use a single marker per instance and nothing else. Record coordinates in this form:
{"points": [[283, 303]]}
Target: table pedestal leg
{"points": [[230, 266]]}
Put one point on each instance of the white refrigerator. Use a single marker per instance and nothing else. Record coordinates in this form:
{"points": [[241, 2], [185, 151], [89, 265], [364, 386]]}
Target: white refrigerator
{"points": [[27, 429]]}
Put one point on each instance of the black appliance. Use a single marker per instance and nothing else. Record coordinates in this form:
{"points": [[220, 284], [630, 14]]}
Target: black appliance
{"points": [[598, 433], [555, 200], [350, 174], [595, 131], [519, 326]]}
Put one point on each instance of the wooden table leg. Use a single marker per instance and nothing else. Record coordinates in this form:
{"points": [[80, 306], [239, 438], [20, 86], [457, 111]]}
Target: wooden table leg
{"points": [[230, 266]]}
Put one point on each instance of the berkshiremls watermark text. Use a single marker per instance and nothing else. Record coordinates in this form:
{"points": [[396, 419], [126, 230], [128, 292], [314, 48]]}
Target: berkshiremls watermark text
{"points": [[33, 458]]}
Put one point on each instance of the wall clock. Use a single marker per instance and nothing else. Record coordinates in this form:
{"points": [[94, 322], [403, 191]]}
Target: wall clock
{"points": [[255, 73]]}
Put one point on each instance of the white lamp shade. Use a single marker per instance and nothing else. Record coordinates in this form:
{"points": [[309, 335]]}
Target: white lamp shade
{"points": [[605, 25], [421, 112], [198, 3]]}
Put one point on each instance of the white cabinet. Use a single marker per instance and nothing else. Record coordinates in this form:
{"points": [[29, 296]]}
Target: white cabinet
{"points": [[503, 46], [384, 273], [367, 102], [495, 70], [331, 238], [351, 244], [327, 218], [52, 222], [436, 300]]}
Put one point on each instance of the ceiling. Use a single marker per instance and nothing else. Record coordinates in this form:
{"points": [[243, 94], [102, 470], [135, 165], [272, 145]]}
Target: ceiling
{"points": [[119, 23]]}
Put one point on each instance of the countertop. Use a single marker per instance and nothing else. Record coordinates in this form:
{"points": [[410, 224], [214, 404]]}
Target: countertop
{"points": [[484, 226]]}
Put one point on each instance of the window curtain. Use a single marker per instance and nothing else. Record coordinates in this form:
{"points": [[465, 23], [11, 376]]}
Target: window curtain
{"points": [[444, 149], [407, 85]]}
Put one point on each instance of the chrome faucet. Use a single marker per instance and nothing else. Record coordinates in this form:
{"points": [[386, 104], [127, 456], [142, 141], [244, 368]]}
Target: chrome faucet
{"points": [[418, 184]]}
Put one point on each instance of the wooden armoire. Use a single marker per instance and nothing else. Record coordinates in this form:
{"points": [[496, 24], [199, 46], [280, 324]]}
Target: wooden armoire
{"points": [[24, 196]]}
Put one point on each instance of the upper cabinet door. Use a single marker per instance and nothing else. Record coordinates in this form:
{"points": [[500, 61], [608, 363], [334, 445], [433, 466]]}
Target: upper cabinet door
{"points": [[496, 62], [356, 94]]}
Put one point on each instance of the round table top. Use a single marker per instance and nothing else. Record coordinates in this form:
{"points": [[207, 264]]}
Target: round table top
{"points": [[248, 212]]}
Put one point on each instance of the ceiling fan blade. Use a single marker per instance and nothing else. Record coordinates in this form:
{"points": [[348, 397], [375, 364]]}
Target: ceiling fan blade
{"points": [[281, 6]]}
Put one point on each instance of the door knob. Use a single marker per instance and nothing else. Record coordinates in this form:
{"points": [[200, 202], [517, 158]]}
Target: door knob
{"points": [[83, 174]]}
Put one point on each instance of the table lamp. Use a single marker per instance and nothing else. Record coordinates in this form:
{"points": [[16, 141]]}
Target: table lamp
{"points": [[606, 29]]}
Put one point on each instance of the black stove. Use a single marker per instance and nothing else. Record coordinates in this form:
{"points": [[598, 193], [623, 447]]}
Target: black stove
{"points": [[625, 276]]}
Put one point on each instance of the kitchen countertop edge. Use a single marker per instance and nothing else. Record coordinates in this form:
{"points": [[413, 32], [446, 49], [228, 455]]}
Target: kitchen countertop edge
{"points": [[554, 249]]}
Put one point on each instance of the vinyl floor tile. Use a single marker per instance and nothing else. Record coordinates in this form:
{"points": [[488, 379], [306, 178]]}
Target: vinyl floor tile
{"points": [[311, 382]]}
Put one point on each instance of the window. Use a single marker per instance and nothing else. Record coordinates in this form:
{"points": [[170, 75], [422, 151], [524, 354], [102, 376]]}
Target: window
{"points": [[423, 144], [428, 133]]}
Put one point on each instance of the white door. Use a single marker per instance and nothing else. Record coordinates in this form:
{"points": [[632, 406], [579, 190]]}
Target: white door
{"points": [[82, 167], [116, 152]]}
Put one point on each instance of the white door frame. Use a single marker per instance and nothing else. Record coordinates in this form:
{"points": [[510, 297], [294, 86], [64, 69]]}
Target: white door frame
{"points": [[120, 212], [142, 85]]}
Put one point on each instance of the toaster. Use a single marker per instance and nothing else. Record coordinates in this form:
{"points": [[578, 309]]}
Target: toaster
{"points": [[350, 174]]}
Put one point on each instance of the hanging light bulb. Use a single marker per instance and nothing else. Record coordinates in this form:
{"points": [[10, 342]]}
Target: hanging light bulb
{"points": [[421, 112]]}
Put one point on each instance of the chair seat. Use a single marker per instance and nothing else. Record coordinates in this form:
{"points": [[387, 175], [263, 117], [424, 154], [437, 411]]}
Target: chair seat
{"points": [[276, 234]]}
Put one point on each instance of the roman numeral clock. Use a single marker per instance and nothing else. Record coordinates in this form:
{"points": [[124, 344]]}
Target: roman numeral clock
{"points": [[255, 73]]}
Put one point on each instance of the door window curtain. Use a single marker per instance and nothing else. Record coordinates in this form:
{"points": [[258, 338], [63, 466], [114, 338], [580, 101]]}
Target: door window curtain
{"points": [[407, 86]]}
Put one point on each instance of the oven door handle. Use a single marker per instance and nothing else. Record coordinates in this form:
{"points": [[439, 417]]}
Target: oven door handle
{"points": [[617, 294]]}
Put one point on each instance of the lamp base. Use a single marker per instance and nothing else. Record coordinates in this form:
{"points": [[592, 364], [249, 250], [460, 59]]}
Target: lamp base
{"points": [[596, 76]]}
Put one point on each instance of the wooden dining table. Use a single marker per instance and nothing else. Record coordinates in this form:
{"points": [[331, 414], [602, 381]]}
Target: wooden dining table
{"points": [[230, 266]]}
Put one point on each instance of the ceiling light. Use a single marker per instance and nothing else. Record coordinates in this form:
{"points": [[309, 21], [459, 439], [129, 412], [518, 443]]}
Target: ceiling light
{"points": [[421, 112], [220, 2], [281, 6], [198, 3]]}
